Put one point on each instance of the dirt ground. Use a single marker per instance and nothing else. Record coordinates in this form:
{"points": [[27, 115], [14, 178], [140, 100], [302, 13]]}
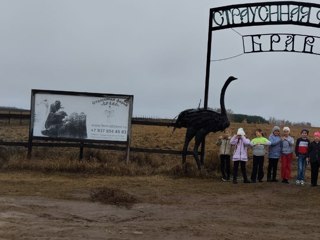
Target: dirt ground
{"points": [[51, 206]]}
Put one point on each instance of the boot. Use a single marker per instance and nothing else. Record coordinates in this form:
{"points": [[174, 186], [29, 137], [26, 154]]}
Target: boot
{"points": [[234, 181], [246, 181]]}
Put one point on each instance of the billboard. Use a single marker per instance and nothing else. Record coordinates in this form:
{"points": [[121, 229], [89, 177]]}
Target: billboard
{"points": [[80, 116]]}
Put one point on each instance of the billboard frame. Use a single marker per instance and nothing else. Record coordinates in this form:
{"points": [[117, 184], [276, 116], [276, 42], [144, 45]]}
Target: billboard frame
{"points": [[82, 141]]}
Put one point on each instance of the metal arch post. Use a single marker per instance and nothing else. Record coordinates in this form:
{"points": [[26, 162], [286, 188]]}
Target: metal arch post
{"points": [[207, 79]]}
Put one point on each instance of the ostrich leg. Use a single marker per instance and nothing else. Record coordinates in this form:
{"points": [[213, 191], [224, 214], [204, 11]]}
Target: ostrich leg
{"points": [[189, 135], [198, 140]]}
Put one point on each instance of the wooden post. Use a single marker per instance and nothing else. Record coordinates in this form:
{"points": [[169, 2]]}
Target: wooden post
{"points": [[20, 118], [31, 126], [129, 131], [81, 151], [128, 153], [29, 148]]}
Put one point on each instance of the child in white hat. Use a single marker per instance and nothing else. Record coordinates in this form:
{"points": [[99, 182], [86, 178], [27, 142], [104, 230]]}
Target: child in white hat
{"points": [[240, 155]]}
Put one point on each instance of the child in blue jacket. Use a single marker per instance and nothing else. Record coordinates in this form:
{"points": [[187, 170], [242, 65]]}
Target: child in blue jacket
{"points": [[274, 154]]}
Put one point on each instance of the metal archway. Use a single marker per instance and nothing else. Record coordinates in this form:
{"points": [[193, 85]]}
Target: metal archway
{"points": [[259, 14], [265, 13]]}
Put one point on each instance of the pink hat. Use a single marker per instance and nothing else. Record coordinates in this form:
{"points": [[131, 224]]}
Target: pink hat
{"points": [[317, 134]]}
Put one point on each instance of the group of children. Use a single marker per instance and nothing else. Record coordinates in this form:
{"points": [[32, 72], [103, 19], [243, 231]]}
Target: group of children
{"points": [[280, 146]]}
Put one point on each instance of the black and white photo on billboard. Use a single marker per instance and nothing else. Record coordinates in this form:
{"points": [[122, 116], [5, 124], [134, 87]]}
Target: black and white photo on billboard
{"points": [[57, 123], [81, 117]]}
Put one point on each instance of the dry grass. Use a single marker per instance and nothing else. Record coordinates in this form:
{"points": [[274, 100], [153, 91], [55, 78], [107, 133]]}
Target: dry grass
{"points": [[113, 196], [46, 159]]}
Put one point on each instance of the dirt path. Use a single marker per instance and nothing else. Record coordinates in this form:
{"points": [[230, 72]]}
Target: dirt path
{"points": [[167, 209]]}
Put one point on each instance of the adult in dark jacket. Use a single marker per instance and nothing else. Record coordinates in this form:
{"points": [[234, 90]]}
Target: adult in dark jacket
{"points": [[314, 156]]}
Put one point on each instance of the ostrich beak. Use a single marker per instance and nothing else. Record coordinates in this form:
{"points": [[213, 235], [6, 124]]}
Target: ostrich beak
{"points": [[232, 78]]}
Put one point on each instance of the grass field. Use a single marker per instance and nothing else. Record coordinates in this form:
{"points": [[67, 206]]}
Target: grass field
{"points": [[56, 196]]}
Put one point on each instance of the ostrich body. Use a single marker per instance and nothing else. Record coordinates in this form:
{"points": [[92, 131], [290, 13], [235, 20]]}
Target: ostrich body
{"points": [[199, 122]]}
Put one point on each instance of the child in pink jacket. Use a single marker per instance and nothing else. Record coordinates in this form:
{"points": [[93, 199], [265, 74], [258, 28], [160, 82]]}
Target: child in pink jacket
{"points": [[240, 155]]}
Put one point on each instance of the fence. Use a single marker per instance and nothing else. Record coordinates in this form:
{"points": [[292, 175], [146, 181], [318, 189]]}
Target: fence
{"points": [[25, 116], [22, 117]]}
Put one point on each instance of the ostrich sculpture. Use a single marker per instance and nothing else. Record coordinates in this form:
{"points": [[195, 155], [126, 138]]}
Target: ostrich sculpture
{"points": [[199, 122]]}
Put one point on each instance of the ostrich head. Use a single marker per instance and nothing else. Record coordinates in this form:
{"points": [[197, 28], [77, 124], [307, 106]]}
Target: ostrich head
{"points": [[223, 91]]}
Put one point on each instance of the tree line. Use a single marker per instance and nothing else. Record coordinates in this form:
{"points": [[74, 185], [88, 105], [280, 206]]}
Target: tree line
{"points": [[245, 118]]}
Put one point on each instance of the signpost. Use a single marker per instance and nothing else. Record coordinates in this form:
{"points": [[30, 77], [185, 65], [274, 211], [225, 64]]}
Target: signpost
{"points": [[80, 117]]}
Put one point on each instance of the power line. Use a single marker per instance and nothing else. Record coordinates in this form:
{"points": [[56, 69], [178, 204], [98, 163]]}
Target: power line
{"points": [[236, 32], [223, 59]]}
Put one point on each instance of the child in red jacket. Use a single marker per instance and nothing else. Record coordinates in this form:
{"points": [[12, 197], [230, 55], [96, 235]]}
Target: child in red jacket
{"points": [[301, 151]]}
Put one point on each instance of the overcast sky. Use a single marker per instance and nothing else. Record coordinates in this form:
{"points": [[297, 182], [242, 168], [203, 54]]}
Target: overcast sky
{"points": [[154, 50]]}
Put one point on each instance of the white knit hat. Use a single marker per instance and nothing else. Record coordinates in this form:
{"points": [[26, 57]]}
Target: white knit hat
{"points": [[241, 132], [286, 129]]}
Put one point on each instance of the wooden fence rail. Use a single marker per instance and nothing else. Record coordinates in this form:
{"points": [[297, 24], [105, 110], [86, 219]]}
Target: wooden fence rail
{"points": [[96, 146], [8, 116], [138, 121]]}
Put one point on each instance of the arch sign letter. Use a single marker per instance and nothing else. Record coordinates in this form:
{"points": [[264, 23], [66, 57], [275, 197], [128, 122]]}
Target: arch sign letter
{"points": [[267, 13]]}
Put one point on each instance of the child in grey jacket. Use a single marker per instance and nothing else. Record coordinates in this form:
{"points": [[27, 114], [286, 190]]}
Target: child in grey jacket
{"points": [[225, 155]]}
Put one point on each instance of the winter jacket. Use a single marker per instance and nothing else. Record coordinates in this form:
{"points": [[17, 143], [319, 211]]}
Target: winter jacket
{"points": [[314, 152], [241, 148], [258, 145], [275, 147], [287, 145], [225, 146], [302, 146]]}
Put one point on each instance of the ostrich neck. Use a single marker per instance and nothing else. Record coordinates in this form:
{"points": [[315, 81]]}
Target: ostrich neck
{"points": [[223, 91]]}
